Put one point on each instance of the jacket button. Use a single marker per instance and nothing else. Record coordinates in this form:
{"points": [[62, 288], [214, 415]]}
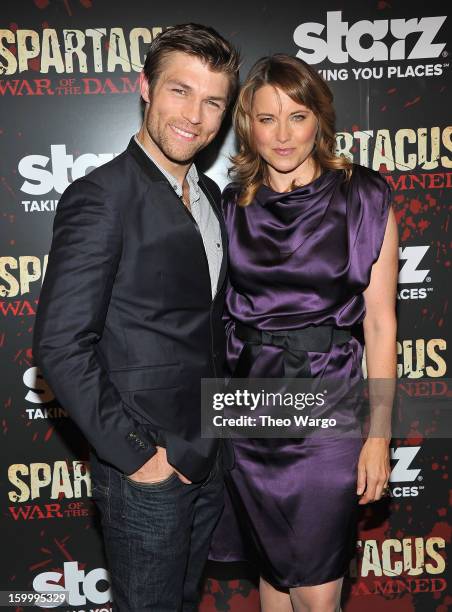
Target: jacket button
{"points": [[136, 441]]}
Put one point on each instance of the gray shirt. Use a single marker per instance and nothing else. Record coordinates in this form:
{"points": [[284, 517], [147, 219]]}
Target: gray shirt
{"points": [[204, 216]]}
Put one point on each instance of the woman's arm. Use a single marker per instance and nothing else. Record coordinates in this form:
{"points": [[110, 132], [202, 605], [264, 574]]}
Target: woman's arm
{"points": [[380, 327]]}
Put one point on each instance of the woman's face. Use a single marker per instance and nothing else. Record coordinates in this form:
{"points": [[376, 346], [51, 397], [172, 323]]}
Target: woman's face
{"points": [[284, 132]]}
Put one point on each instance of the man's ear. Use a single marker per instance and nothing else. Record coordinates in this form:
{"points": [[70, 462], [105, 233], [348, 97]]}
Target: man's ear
{"points": [[144, 87]]}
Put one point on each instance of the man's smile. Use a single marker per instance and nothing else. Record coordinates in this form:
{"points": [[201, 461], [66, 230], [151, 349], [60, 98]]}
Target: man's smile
{"points": [[183, 133]]}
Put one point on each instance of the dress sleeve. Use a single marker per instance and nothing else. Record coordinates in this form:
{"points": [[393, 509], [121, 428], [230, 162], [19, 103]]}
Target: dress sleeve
{"points": [[371, 199], [382, 207]]}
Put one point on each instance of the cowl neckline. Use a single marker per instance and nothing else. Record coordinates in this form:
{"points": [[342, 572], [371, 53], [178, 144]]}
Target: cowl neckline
{"points": [[266, 195], [297, 214]]}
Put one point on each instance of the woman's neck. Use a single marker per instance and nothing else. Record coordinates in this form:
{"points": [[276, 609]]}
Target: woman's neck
{"points": [[282, 183]]}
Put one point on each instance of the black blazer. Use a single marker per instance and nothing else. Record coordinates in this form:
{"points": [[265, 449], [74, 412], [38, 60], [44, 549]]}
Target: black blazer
{"points": [[126, 325]]}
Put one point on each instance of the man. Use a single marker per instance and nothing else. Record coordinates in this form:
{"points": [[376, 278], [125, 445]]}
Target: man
{"points": [[129, 322]]}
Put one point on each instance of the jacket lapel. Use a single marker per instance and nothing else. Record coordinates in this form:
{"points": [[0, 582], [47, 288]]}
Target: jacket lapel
{"points": [[146, 164], [224, 236], [154, 174]]}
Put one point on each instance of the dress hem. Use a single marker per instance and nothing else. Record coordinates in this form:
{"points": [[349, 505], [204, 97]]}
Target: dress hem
{"points": [[304, 584], [275, 584]]}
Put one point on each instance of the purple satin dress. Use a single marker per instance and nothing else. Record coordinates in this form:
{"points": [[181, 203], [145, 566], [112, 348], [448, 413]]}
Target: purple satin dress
{"points": [[299, 259]]}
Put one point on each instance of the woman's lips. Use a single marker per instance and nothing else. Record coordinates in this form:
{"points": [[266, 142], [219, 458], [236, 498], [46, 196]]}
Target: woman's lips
{"points": [[284, 152]]}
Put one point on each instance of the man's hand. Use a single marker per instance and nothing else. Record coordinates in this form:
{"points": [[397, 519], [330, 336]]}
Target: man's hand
{"points": [[157, 469]]}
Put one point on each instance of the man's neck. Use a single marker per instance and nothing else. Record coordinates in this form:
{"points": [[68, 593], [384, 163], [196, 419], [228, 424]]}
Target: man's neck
{"points": [[179, 171]]}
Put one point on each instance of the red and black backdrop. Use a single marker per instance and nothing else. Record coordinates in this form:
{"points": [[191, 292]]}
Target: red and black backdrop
{"points": [[69, 101]]}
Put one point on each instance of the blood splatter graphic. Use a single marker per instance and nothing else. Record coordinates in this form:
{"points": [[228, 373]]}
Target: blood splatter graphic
{"points": [[412, 102]]}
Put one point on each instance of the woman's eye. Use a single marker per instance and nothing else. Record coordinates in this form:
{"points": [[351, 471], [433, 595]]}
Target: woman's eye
{"points": [[179, 91], [266, 119], [298, 117]]}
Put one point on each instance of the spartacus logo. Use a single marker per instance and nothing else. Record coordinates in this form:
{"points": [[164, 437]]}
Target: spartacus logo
{"points": [[338, 40]]}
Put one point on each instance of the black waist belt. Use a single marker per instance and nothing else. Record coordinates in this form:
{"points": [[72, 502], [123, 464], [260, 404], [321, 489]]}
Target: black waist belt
{"points": [[296, 344]]}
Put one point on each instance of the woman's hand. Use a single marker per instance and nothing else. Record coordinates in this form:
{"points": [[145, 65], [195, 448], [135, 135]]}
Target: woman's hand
{"points": [[374, 469]]}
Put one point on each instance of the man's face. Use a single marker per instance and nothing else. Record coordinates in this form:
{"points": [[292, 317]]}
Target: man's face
{"points": [[184, 109]]}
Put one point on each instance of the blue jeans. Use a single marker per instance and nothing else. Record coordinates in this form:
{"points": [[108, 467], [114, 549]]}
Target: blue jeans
{"points": [[156, 536]]}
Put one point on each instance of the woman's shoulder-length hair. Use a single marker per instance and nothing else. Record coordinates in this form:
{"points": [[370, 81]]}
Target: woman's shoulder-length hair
{"points": [[302, 84]]}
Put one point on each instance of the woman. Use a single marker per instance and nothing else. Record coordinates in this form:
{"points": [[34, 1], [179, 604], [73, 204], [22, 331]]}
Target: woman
{"points": [[313, 251]]}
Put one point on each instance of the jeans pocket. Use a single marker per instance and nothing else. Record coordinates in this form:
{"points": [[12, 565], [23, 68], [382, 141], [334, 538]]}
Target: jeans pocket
{"points": [[158, 485], [99, 490], [100, 494]]}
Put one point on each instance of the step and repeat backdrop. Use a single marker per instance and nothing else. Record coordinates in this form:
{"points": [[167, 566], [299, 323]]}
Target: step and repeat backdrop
{"points": [[69, 100]]}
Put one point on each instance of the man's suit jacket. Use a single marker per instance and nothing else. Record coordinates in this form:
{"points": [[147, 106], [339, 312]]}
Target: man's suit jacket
{"points": [[126, 325]]}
